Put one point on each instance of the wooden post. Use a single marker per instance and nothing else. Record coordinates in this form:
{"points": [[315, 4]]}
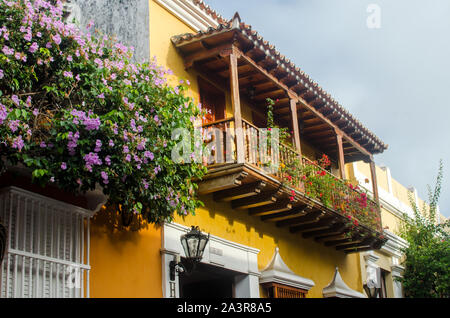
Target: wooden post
{"points": [[296, 130], [236, 105], [340, 155], [373, 174]]}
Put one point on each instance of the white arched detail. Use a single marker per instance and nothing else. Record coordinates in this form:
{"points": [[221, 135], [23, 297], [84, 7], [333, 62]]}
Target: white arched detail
{"points": [[338, 288], [278, 272]]}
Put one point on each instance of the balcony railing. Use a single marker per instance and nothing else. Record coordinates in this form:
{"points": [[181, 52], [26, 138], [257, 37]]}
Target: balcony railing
{"points": [[309, 178]]}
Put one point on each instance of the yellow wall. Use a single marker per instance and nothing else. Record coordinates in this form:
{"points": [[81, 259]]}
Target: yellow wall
{"points": [[390, 220], [124, 263], [303, 256]]}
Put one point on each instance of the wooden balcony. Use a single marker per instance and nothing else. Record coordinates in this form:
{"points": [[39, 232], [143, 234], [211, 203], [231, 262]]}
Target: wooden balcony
{"points": [[341, 217]]}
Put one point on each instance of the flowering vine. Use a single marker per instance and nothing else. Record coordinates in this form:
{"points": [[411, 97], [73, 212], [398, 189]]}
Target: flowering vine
{"points": [[78, 113]]}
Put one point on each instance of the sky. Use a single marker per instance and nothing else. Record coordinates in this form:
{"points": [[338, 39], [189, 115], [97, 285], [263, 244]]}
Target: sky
{"points": [[387, 62]]}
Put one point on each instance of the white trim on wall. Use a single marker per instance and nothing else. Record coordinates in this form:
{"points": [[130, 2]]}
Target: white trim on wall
{"points": [[218, 252], [189, 13], [394, 245]]}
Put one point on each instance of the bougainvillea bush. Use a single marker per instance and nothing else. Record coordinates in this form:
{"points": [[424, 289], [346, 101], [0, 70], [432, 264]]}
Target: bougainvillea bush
{"points": [[79, 114]]}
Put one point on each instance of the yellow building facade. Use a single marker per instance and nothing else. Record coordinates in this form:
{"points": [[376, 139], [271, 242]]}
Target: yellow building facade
{"points": [[136, 264], [268, 238]]}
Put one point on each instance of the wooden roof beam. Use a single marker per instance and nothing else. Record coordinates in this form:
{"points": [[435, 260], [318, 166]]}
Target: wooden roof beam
{"points": [[190, 59]]}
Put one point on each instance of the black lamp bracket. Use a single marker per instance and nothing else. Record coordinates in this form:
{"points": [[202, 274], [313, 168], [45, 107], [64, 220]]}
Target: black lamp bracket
{"points": [[176, 266]]}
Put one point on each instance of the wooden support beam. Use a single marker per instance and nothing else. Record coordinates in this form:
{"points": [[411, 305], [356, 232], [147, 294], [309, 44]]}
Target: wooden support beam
{"points": [[189, 60], [294, 212], [317, 225], [296, 130], [373, 174], [340, 155], [339, 238], [244, 191], [221, 183], [279, 206], [333, 229], [366, 242], [341, 241], [236, 106], [359, 249], [311, 216], [255, 201]]}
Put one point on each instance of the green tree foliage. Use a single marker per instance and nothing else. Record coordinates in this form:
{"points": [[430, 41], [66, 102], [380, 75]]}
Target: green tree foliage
{"points": [[427, 258]]}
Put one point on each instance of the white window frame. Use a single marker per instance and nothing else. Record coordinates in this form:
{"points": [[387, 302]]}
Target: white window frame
{"points": [[47, 250]]}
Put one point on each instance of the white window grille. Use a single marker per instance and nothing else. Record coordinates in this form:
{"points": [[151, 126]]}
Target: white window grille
{"points": [[47, 249]]}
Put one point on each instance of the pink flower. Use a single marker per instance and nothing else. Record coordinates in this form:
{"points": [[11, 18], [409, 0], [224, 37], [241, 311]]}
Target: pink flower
{"points": [[33, 47], [18, 143], [56, 38], [7, 51]]}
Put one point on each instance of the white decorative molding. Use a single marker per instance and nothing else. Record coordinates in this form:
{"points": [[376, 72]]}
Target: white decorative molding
{"points": [[397, 270], [372, 269], [218, 252], [371, 258], [338, 288], [189, 13], [278, 272], [416, 197], [394, 245]]}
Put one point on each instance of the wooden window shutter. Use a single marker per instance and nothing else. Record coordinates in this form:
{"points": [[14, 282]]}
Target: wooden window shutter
{"points": [[275, 290]]}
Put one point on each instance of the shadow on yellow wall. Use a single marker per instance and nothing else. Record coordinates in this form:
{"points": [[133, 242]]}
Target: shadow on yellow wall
{"points": [[125, 262]]}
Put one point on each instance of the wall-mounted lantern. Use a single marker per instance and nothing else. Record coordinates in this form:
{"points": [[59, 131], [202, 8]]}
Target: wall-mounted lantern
{"points": [[370, 287], [194, 243]]}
